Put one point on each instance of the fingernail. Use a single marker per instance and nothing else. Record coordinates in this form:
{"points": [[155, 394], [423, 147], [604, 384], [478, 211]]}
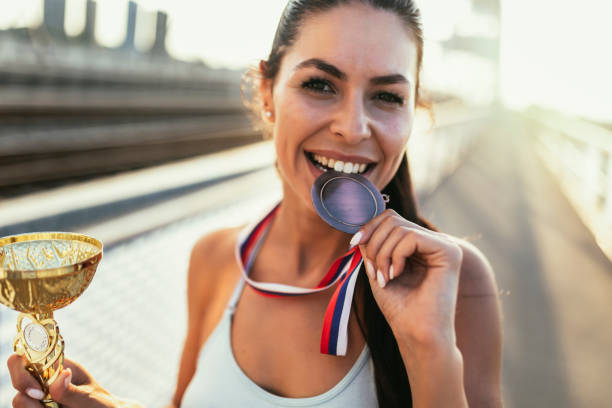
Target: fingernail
{"points": [[35, 393], [356, 238], [381, 279], [370, 269], [391, 272], [68, 379]]}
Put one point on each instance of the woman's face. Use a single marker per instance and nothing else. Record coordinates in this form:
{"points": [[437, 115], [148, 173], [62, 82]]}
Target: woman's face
{"points": [[344, 97]]}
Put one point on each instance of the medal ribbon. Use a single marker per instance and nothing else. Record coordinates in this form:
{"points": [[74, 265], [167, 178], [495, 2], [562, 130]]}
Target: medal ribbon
{"points": [[344, 270]]}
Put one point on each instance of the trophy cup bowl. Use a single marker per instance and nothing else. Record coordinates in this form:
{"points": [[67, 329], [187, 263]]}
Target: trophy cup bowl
{"points": [[40, 273]]}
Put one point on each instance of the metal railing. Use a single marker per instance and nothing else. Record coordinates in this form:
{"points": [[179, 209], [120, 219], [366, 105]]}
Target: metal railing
{"points": [[435, 153], [579, 153]]}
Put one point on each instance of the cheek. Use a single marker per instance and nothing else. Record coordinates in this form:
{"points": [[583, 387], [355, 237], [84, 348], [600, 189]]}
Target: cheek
{"points": [[290, 130], [296, 120], [394, 136], [299, 112], [395, 132]]}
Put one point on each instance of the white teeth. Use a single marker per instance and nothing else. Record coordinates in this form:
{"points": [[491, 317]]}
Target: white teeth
{"points": [[338, 165]]}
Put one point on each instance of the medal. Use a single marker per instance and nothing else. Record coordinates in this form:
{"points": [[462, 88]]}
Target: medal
{"points": [[346, 201]]}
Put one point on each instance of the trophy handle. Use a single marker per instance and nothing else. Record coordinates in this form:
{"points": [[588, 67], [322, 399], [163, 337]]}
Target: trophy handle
{"points": [[43, 346]]}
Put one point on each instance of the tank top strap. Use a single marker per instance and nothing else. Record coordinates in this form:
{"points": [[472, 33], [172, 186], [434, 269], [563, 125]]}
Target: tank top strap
{"points": [[231, 305]]}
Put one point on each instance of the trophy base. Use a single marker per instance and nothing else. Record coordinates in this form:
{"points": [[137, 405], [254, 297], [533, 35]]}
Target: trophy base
{"points": [[50, 404]]}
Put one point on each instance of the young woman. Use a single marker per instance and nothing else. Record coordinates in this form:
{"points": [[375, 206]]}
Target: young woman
{"points": [[339, 89]]}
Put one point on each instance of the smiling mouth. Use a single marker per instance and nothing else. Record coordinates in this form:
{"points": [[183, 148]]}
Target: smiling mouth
{"points": [[325, 163]]}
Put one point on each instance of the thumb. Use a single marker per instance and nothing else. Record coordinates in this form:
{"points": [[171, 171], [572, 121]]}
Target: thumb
{"points": [[68, 394]]}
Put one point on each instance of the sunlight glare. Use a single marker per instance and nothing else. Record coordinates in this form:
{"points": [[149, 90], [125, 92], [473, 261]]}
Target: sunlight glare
{"points": [[556, 54]]}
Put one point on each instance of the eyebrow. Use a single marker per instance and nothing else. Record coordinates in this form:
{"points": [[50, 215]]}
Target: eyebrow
{"points": [[389, 80], [323, 66], [335, 72]]}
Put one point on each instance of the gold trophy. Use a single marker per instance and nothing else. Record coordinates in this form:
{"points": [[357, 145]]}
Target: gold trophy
{"points": [[39, 273]]}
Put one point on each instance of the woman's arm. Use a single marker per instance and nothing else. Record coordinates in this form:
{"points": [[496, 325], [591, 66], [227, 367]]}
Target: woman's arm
{"points": [[474, 363], [433, 362], [478, 328], [195, 317], [436, 375], [415, 275]]}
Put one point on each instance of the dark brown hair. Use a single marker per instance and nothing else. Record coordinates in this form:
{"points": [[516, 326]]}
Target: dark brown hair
{"points": [[392, 385]]}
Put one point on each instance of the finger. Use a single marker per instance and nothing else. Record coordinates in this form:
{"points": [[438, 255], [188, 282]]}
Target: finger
{"points": [[369, 267], [69, 395], [79, 374], [384, 254], [366, 231], [23, 401], [378, 237], [363, 235], [373, 280], [435, 251], [21, 379], [62, 390]]}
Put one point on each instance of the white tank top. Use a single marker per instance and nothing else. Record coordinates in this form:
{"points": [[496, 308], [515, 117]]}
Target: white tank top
{"points": [[220, 382]]}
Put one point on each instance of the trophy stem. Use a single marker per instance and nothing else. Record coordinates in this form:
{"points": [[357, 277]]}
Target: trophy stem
{"points": [[39, 339]]}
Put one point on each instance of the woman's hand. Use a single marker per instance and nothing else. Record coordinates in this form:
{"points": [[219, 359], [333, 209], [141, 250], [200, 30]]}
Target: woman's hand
{"points": [[73, 388], [414, 275]]}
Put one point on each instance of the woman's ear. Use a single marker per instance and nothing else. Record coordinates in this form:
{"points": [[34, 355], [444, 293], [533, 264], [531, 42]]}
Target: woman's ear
{"points": [[265, 93]]}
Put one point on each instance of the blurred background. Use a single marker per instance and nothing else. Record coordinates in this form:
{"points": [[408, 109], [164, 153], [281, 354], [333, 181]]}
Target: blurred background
{"points": [[123, 120]]}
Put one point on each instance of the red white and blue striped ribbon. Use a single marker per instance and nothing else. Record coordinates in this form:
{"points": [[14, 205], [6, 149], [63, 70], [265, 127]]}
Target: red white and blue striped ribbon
{"points": [[344, 270]]}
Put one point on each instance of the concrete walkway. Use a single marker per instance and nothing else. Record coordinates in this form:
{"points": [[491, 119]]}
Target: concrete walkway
{"points": [[555, 283]]}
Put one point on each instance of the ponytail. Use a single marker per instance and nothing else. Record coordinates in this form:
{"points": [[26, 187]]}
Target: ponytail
{"points": [[392, 382]]}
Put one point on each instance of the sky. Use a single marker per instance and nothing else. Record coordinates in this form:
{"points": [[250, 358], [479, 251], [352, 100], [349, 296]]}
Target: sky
{"points": [[553, 52], [558, 53]]}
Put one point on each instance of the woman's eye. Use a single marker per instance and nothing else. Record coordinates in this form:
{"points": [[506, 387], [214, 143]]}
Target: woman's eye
{"points": [[389, 97], [318, 85]]}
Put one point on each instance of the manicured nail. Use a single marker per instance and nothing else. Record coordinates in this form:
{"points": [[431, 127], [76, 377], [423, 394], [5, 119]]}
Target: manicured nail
{"points": [[370, 269], [391, 272], [356, 238], [68, 379], [35, 393], [381, 279]]}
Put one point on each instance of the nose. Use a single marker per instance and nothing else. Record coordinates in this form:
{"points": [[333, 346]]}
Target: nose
{"points": [[351, 121]]}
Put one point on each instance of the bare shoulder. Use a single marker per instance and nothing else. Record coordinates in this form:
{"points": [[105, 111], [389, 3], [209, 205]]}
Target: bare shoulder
{"points": [[477, 277], [212, 269], [478, 328], [213, 253], [215, 248]]}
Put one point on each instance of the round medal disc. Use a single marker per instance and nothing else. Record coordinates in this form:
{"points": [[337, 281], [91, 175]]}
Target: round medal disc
{"points": [[36, 336], [346, 201]]}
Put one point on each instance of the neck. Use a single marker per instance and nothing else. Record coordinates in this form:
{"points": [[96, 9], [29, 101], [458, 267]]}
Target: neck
{"points": [[308, 244]]}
